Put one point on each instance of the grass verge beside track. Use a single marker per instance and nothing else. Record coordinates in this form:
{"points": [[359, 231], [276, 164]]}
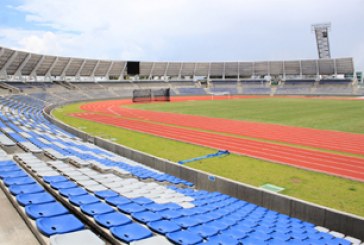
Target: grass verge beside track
{"points": [[330, 191]]}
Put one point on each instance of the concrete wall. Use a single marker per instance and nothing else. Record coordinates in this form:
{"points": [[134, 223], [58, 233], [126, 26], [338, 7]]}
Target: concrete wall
{"points": [[332, 219]]}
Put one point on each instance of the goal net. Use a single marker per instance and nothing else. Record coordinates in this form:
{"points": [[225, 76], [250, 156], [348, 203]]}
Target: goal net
{"points": [[220, 95], [147, 95]]}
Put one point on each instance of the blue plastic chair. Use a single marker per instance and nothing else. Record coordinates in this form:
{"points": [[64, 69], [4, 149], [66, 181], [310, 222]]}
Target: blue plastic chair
{"points": [[25, 189], [18, 181], [186, 222], [184, 237], [202, 210], [301, 236], [188, 212], [59, 224], [96, 208], [131, 232], [203, 218], [12, 173], [112, 219], [117, 200], [7, 163], [142, 200], [56, 178], [253, 241], [222, 239], [170, 214], [172, 206], [63, 185], [260, 235], [146, 216], [11, 167], [156, 207], [76, 191], [37, 211], [106, 194], [34, 198], [83, 199], [204, 230], [281, 237], [236, 233], [164, 226], [218, 225], [131, 208]]}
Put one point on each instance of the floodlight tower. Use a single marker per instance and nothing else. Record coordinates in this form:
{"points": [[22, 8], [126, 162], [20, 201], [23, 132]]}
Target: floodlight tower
{"points": [[322, 39]]}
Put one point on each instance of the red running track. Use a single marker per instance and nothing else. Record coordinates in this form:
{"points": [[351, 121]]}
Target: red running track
{"points": [[349, 167], [325, 139]]}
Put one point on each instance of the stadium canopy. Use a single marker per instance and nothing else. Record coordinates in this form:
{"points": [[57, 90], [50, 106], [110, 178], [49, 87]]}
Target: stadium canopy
{"points": [[25, 66]]}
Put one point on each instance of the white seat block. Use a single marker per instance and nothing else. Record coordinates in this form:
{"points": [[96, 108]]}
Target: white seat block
{"points": [[78, 237]]}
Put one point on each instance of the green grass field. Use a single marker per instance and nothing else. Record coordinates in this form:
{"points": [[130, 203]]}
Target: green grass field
{"points": [[340, 115], [334, 192]]}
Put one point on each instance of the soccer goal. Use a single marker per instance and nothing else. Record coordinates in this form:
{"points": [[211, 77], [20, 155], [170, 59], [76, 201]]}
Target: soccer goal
{"points": [[220, 95]]}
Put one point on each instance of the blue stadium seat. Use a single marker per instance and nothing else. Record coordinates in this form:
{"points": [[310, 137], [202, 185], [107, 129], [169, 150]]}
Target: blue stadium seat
{"points": [[253, 241], [203, 218], [188, 212], [131, 208], [170, 214], [142, 200], [117, 200], [146, 216], [18, 181], [37, 211], [204, 230], [186, 222], [222, 239], [184, 237], [12, 173], [131, 232], [106, 194], [164, 226], [68, 192], [59, 224], [25, 189], [10, 167], [112, 219], [7, 163], [53, 179], [34, 198], [156, 207], [218, 225], [63, 185], [236, 233], [172, 206], [83, 199], [96, 208]]}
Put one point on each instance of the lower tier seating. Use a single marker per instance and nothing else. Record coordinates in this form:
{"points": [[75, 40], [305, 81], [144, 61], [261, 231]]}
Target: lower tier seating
{"points": [[73, 192]]}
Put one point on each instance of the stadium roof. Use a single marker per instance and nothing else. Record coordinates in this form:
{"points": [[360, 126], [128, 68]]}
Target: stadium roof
{"points": [[19, 64]]}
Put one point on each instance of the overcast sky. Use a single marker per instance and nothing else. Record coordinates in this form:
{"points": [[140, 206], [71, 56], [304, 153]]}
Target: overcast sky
{"points": [[182, 30]]}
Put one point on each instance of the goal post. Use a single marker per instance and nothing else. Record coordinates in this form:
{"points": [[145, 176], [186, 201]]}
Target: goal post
{"points": [[148, 95], [225, 94]]}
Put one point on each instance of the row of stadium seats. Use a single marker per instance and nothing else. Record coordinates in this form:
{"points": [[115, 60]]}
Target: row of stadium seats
{"points": [[53, 222], [70, 189], [102, 90]]}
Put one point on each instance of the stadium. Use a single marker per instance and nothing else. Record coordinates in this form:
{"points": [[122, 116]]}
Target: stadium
{"points": [[117, 151]]}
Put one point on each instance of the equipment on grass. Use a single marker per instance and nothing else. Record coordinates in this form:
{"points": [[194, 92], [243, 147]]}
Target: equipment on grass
{"points": [[220, 153]]}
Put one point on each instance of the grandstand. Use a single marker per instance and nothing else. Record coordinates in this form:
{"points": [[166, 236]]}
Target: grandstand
{"points": [[68, 189]]}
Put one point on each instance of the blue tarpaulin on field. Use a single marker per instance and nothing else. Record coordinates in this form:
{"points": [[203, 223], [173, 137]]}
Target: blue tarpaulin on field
{"points": [[217, 154]]}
